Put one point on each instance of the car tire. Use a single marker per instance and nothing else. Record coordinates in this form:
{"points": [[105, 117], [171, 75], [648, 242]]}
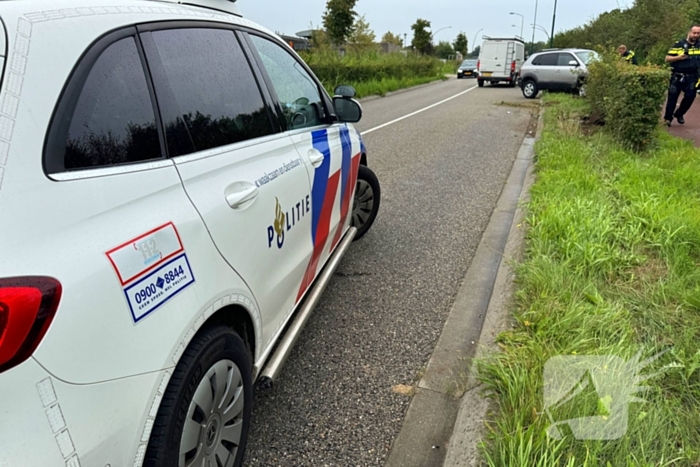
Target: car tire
{"points": [[365, 204], [480, 82], [530, 89], [189, 413]]}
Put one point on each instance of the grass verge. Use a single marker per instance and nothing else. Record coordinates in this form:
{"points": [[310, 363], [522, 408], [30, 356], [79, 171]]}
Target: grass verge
{"points": [[611, 267], [381, 87]]}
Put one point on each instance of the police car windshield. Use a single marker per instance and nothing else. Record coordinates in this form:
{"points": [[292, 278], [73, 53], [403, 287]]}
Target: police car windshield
{"points": [[586, 56]]}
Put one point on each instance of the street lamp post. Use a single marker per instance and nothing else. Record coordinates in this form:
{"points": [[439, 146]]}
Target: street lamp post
{"points": [[522, 19], [542, 29], [532, 44], [475, 35], [554, 15], [433, 34]]}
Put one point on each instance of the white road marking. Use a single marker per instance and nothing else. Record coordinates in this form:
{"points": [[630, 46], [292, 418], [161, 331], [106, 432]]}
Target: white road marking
{"points": [[417, 112]]}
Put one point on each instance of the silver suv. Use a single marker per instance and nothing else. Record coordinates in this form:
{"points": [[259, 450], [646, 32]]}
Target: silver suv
{"points": [[555, 70]]}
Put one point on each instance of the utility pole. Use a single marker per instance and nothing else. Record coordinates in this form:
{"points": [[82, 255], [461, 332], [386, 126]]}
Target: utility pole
{"points": [[532, 44], [554, 15]]}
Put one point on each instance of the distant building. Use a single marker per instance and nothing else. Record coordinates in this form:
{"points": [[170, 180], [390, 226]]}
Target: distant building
{"points": [[297, 43], [307, 34], [388, 48]]}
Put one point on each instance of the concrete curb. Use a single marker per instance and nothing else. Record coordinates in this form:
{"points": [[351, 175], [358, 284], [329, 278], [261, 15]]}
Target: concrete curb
{"points": [[468, 432], [439, 428]]}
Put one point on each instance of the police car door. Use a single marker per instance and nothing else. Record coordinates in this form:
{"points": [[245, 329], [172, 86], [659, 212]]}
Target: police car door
{"points": [[242, 173], [332, 150]]}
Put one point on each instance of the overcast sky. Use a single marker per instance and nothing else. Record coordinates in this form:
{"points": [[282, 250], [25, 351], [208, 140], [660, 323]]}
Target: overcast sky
{"points": [[468, 16]]}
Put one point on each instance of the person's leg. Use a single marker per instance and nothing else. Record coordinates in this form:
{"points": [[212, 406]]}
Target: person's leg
{"points": [[689, 94], [673, 92]]}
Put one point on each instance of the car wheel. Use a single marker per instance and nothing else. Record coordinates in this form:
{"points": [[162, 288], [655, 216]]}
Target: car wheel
{"points": [[480, 82], [530, 89], [205, 414], [365, 205]]}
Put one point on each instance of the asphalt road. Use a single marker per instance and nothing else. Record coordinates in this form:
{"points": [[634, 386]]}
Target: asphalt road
{"points": [[441, 172]]}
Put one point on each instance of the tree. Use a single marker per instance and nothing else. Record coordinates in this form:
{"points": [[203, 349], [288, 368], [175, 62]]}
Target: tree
{"points": [[537, 47], [476, 51], [444, 50], [460, 44], [392, 38], [422, 39], [319, 38], [362, 36], [649, 27], [339, 19]]}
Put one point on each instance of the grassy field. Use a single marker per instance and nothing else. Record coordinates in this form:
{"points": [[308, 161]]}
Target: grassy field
{"points": [[372, 73], [611, 267]]}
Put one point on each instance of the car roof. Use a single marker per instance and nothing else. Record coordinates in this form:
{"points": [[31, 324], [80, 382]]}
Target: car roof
{"points": [[228, 6], [26, 6], [47, 10], [565, 49]]}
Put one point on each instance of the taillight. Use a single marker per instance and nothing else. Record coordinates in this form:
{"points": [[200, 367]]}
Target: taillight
{"points": [[478, 65], [27, 307], [512, 67]]}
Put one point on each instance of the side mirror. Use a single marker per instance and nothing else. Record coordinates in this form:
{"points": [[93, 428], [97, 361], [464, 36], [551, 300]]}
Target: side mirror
{"points": [[345, 91], [573, 63], [347, 109]]}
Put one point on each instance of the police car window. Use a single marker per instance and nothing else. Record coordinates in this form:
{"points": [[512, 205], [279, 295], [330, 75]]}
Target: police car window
{"points": [[213, 86], [297, 92], [113, 121], [546, 60]]}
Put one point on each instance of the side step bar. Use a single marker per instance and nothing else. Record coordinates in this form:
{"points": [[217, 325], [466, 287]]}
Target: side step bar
{"points": [[274, 364]]}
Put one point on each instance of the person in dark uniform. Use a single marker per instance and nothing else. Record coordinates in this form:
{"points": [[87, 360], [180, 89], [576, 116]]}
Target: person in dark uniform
{"points": [[684, 58], [627, 55]]}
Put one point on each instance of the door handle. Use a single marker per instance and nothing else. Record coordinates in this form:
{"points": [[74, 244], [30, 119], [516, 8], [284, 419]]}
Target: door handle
{"points": [[236, 199], [316, 157]]}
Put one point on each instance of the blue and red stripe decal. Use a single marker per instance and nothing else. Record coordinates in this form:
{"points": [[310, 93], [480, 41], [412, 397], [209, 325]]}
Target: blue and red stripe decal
{"points": [[323, 197]]}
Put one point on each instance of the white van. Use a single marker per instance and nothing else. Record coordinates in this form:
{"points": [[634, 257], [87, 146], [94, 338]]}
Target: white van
{"points": [[500, 59]]}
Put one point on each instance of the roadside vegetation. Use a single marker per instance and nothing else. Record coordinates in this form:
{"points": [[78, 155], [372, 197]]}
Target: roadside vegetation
{"points": [[345, 50], [374, 73], [611, 267], [649, 27]]}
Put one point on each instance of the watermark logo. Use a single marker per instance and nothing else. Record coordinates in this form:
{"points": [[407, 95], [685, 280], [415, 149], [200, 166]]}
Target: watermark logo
{"points": [[613, 381]]}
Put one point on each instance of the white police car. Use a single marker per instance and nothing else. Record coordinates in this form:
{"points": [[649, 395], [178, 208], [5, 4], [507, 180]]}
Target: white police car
{"points": [[176, 190]]}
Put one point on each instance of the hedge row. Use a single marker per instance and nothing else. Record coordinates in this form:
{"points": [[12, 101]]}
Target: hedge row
{"points": [[334, 69], [629, 99]]}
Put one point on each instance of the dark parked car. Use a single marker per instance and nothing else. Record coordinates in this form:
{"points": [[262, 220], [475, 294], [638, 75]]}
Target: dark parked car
{"points": [[467, 68]]}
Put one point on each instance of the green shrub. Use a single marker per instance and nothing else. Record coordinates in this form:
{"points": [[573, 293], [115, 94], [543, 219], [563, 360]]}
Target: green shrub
{"points": [[355, 68], [634, 113], [629, 99], [601, 77]]}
